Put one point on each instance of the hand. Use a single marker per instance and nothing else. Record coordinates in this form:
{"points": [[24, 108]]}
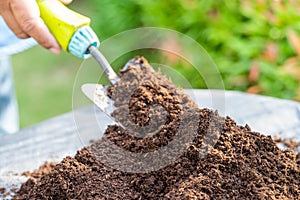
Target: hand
{"points": [[23, 18]]}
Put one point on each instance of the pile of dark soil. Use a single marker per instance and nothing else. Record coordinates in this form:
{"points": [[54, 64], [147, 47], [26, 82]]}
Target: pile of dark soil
{"points": [[239, 164]]}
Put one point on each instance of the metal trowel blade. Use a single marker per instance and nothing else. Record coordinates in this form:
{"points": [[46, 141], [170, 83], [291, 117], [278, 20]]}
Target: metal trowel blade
{"points": [[97, 93]]}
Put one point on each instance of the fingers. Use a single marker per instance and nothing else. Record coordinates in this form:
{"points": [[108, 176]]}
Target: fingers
{"points": [[11, 22], [10, 19], [23, 18], [26, 14]]}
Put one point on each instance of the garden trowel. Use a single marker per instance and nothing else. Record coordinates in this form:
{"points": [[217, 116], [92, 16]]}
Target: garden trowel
{"points": [[73, 33]]}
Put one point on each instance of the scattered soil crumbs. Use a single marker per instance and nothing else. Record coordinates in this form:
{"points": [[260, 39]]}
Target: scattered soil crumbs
{"points": [[3, 193], [43, 170], [6, 194], [290, 144], [239, 164]]}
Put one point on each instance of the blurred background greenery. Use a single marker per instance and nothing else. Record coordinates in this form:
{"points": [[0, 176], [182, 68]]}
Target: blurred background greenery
{"points": [[254, 43]]}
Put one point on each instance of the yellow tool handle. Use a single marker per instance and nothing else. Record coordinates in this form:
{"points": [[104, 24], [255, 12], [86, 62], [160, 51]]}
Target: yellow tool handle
{"points": [[61, 21]]}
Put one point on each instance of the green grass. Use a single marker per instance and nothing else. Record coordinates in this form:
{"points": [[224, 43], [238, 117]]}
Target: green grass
{"points": [[43, 83]]}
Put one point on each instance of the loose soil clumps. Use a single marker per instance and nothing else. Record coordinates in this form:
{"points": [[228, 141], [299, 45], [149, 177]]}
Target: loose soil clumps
{"points": [[237, 164]]}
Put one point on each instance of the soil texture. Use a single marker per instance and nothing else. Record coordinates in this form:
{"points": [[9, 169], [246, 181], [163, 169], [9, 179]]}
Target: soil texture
{"points": [[219, 160]]}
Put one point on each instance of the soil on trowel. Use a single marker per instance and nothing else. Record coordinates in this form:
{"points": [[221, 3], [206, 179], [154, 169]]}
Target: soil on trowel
{"points": [[219, 160]]}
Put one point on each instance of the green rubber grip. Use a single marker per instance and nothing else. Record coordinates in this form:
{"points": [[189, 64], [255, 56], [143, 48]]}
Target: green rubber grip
{"points": [[61, 21]]}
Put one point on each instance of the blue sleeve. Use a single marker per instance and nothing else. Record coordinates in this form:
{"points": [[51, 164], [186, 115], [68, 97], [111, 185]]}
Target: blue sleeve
{"points": [[9, 43]]}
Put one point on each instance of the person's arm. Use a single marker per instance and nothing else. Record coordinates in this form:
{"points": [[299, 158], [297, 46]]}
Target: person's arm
{"points": [[23, 18]]}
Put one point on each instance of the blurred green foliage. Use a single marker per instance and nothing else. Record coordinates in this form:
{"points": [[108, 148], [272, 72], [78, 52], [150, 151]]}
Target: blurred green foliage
{"points": [[247, 39], [254, 43]]}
